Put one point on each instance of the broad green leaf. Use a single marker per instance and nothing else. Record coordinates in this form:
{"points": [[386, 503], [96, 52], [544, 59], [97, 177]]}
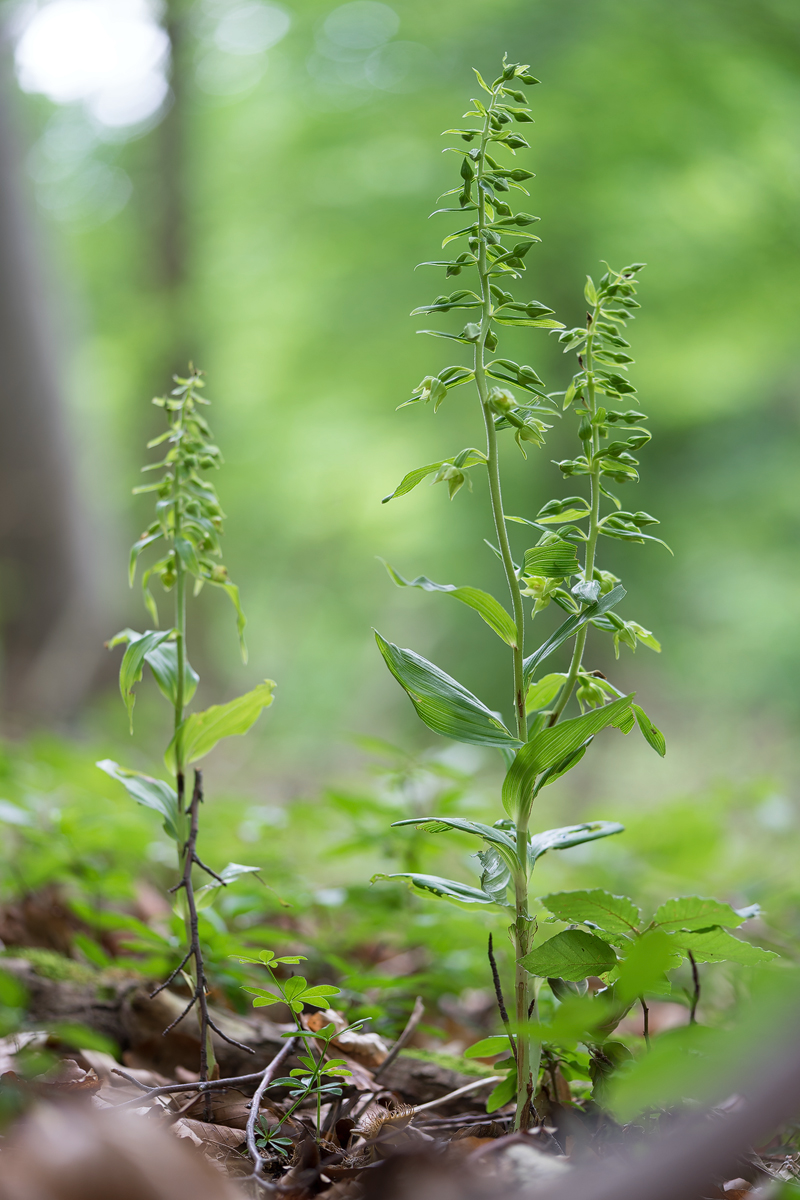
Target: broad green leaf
{"points": [[152, 793], [443, 704], [617, 914], [570, 835], [488, 1046], [446, 889], [566, 764], [544, 691], [163, 662], [570, 626], [653, 735], [694, 912], [572, 955], [645, 965], [484, 604], [130, 671], [319, 995], [717, 945], [552, 746], [495, 875], [554, 561], [201, 731], [505, 1091]]}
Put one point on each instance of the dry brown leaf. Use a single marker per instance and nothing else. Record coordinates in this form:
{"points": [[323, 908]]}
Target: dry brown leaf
{"points": [[209, 1136], [367, 1049]]}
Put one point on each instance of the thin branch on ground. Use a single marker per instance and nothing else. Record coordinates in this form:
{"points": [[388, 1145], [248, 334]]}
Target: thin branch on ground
{"points": [[175, 973], [468, 1087], [412, 1023], [168, 1089], [266, 1078]]}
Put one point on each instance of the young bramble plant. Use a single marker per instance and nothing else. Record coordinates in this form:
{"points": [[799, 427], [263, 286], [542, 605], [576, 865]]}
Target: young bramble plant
{"points": [[188, 522], [318, 1077], [540, 745], [633, 959]]}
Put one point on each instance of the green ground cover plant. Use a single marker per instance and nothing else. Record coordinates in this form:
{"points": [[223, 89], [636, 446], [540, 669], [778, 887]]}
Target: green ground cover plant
{"points": [[540, 744]]}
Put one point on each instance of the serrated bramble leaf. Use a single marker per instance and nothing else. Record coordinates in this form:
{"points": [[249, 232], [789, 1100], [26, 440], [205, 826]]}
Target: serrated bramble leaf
{"points": [[694, 912], [572, 955], [717, 945], [617, 914]]}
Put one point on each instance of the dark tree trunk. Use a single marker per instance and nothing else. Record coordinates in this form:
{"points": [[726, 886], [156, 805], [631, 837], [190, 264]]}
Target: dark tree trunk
{"points": [[50, 637]]}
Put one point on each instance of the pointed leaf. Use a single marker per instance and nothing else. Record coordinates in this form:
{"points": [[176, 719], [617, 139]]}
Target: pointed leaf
{"points": [[496, 837], [503, 1094], [694, 912], [572, 955], [551, 746], [484, 604], [646, 964], [488, 1046], [446, 889], [201, 731], [232, 592], [152, 793], [653, 735], [130, 671], [443, 704], [163, 662], [571, 835], [617, 914], [570, 626]]}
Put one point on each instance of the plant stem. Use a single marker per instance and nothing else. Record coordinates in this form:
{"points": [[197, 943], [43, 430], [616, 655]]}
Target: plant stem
{"points": [[527, 1068], [646, 1025], [594, 523]]}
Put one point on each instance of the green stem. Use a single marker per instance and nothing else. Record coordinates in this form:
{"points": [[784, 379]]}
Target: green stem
{"points": [[523, 928], [594, 525]]}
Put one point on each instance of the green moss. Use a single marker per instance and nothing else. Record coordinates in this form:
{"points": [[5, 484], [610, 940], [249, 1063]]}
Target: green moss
{"points": [[50, 965], [452, 1062]]}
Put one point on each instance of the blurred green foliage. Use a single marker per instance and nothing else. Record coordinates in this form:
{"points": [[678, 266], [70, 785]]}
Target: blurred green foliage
{"points": [[664, 133]]}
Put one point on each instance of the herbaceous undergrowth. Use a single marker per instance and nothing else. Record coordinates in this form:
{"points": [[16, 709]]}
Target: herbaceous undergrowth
{"points": [[539, 745], [186, 528]]}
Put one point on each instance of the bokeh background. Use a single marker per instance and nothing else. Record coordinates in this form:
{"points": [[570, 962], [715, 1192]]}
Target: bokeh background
{"points": [[247, 185]]}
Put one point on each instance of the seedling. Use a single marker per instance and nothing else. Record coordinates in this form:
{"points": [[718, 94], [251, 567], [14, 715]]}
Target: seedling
{"points": [[538, 746], [318, 1078], [187, 526]]}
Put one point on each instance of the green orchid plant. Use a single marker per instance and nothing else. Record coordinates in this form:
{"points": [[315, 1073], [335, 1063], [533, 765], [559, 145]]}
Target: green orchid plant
{"points": [[539, 745], [187, 528]]}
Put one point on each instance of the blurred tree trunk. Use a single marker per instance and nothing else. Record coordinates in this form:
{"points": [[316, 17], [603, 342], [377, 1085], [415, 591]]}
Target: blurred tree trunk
{"points": [[48, 631]]}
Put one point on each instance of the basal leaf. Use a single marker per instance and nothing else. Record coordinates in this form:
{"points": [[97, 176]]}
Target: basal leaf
{"points": [[446, 889], [201, 731], [484, 604], [551, 746], [617, 914], [443, 704], [152, 793], [505, 1091], [572, 955], [694, 912]]}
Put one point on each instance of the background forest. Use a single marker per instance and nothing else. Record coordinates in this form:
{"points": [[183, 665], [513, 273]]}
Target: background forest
{"points": [[261, 220]]}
